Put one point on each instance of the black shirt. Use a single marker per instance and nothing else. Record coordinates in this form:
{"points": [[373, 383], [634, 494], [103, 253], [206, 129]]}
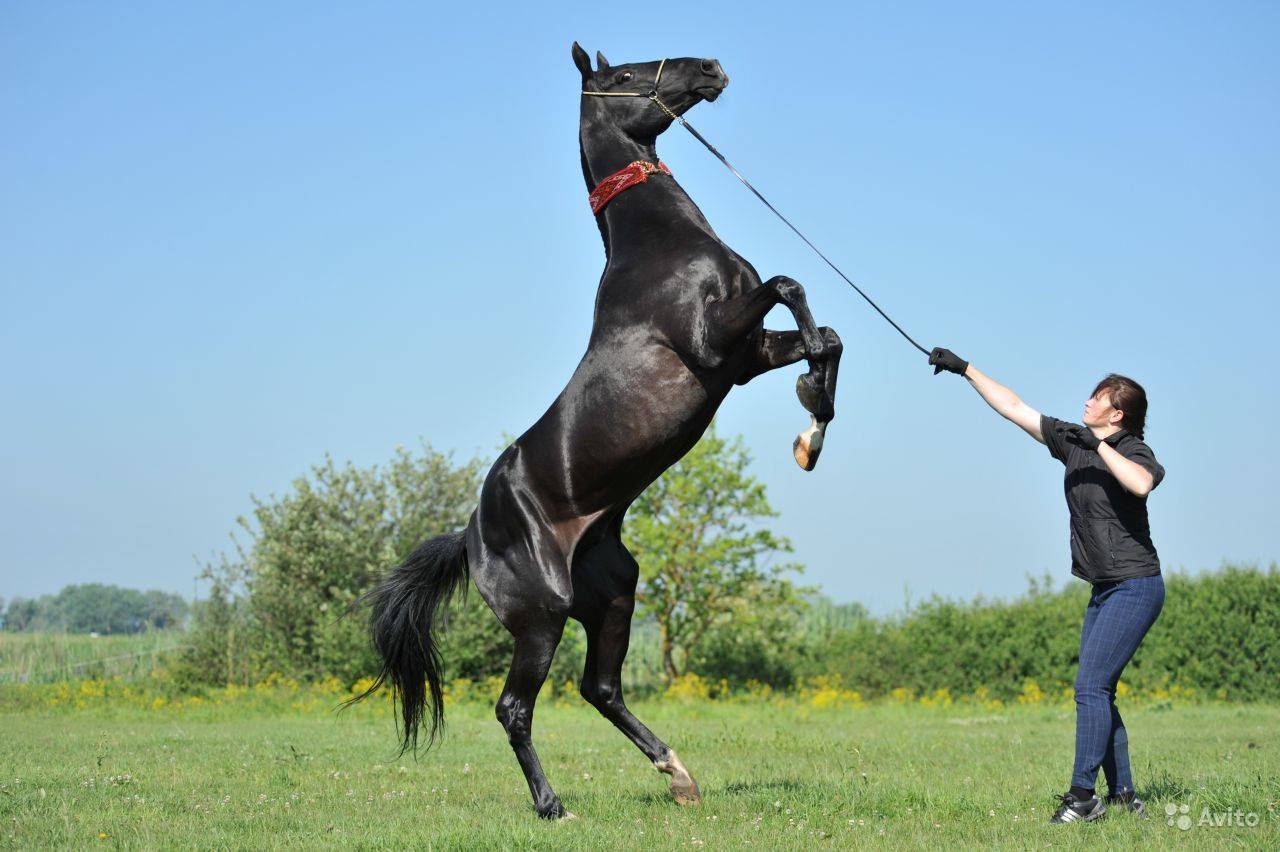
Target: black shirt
{"points": [[1110, 536]]}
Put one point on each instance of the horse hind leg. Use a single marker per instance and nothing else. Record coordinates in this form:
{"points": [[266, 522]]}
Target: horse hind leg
{"points": [[604, 578], [608, 636], [535, 647], [534, 614]]}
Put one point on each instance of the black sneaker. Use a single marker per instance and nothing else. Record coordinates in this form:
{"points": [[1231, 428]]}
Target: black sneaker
{"points": [[1129, 801], [1078, 810]]}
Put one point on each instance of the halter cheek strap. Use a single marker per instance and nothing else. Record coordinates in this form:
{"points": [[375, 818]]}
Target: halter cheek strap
{"points": [[652, 94]]}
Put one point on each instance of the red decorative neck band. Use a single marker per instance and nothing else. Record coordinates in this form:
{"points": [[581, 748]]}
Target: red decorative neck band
{"points": [[622, 180]]}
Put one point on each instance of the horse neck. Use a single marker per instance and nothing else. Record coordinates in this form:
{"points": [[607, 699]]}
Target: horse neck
{"points": [[604, 150]]}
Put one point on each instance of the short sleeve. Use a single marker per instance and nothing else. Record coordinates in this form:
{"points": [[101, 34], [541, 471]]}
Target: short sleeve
{"points": [[1137, 451], [1058, 447]]}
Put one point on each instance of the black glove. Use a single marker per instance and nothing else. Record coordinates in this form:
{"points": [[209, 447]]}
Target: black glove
{"points": [[1079, 435], [944, 359]]}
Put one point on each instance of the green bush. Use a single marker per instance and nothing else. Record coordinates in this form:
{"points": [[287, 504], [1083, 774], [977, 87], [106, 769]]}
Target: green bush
{"points": [[1218, 635]]}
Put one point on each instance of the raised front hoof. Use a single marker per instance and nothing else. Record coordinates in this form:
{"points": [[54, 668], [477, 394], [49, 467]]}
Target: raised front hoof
{"points": [[684, 790], [808, 446]]}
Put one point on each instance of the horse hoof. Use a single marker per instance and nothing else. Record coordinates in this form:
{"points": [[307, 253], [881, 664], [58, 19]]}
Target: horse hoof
{"points": [[689, 795], [556, 812], [684, 790], [808, 445]]}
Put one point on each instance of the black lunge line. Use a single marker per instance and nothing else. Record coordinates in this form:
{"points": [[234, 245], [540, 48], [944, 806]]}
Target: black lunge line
{"points": [[696, 135], [652, 95]]}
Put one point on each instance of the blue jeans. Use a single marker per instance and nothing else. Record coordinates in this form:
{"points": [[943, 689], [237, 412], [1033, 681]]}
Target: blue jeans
{"points": [[1117, 618]]}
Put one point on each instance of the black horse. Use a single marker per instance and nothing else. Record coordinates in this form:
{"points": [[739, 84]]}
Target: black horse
{"points": [[678, 322]]}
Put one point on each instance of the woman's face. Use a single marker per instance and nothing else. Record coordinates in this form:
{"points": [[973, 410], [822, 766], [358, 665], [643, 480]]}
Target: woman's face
{"points": [[1098, 412]]}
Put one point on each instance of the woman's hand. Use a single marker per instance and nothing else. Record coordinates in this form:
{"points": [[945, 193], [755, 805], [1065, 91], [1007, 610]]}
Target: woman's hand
{"points": [[1133, 477], [1078, 435], [944, 359]]}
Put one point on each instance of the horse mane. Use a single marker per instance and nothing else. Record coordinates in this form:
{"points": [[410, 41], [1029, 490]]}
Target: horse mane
{"points": [[586, 176]]}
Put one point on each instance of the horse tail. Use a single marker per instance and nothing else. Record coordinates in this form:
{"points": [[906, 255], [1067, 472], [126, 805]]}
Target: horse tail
{"points": [[405, 612]]}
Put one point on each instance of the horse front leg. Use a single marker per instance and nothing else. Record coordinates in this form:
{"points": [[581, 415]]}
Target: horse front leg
{"points": [[816, 389]]}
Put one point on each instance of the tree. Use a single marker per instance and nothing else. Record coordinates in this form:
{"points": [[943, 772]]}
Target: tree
{"points": [[95, 607], [703, 556], [163, 610], [22, 614], [761, 637]]}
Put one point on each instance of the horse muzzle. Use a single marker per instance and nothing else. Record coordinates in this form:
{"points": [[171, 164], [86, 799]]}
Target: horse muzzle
{"points": [[715, 80]]}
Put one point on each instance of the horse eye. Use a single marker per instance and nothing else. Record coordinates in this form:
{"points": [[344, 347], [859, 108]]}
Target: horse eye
{"points": [[624, 76]]}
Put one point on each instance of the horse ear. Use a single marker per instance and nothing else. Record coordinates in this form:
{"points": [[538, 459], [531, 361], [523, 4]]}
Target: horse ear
{"points": [[581, 60], [601, 62]]}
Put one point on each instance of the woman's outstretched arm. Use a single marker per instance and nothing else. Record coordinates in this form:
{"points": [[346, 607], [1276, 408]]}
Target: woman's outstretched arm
{"points": [[1005, 402]]}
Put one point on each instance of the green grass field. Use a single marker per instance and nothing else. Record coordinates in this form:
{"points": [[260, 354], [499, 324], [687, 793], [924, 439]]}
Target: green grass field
{"points": [[773, 775]]}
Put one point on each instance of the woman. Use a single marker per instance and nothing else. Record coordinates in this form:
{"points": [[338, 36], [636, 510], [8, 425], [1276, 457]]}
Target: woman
{"points": [[1110, 472]]}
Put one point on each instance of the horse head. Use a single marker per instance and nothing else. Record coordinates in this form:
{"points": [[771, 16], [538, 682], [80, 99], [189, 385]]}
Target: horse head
{"points": [[626, 91]]}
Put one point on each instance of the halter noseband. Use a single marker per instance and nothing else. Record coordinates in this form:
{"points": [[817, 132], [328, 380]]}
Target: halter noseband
{"points": [[652, 94]]}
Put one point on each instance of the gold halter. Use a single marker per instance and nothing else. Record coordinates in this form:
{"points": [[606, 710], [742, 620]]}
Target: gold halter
{"points": [[652, 94]]}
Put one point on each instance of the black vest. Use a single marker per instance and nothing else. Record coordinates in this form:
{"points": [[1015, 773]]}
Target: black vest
{"points": [[1110, 535]]}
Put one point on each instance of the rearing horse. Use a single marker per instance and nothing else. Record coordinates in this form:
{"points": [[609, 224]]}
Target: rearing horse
{"points": [[678, 322]]}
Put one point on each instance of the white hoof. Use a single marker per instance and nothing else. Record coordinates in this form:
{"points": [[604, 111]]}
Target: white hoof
{"points": [[808, 444], [683, 788]]}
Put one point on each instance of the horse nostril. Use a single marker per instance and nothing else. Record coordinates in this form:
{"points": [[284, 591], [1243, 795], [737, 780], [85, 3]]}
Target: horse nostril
{"points": [[711, 67]]}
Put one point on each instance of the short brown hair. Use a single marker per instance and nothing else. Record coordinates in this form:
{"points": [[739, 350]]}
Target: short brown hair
{"points": [[1128, 397]]}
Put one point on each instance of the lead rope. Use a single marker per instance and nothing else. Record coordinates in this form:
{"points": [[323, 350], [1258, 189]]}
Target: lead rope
{"points": [[653, 96]]}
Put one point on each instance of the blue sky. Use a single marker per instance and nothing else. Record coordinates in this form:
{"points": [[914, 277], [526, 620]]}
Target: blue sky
{"points": [[239, 236]]}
